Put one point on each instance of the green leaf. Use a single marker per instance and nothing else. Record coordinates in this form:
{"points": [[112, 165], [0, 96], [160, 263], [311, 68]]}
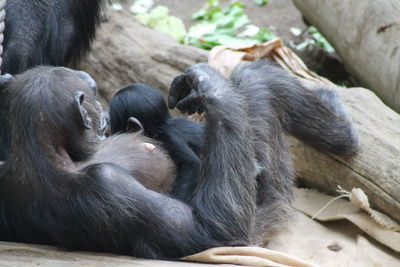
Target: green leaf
{"points": [[265, 35], [200, 29], [295, 31], [261, 2], [207, 11], [224, 27], [249, 31], [159, 19], [320, 40]]}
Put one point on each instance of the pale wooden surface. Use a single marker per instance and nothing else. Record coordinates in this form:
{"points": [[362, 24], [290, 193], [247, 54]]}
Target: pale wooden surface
{"points": [[125, 52], [375, 168], [26, 255], [366, 35]]}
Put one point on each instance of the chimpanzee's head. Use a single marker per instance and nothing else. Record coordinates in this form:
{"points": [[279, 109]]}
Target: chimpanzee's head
{"points": [[57, 106]]}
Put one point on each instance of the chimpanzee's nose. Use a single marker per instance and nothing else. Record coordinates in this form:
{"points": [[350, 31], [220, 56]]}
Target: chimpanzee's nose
{"points": [[89, 80]]}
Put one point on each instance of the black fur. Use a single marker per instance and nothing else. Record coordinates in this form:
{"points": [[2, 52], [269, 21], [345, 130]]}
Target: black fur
{"points": [[181, 137], [48, 197], [45, 32]]}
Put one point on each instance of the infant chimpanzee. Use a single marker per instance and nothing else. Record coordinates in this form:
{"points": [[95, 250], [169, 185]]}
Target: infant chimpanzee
{"points": [[140, 106]]}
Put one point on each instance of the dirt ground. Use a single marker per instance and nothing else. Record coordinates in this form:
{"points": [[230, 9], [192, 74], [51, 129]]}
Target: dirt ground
{"points": [[279, 16]]}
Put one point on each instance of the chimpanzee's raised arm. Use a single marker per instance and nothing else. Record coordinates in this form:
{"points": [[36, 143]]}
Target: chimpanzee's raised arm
{"points": [[224, 199]]}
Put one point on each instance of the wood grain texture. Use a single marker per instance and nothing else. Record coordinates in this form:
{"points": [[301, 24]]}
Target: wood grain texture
{"points": [[366, 35], [375, 168]]}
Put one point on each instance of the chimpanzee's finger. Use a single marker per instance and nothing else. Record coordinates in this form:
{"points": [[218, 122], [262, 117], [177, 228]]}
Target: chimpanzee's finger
{"points": [[186, 104], [178, 90], [192, 108]]}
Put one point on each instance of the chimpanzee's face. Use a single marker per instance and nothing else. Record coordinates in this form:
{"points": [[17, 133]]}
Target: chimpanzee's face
{"points": [[99, 117]]}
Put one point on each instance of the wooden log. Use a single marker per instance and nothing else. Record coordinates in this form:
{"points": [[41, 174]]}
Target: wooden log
{"points": [[366, 35], [27, 255], [127, 52], [375, 168]]}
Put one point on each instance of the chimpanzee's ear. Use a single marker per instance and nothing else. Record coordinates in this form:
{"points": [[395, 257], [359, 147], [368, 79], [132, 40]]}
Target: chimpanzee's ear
{"points": [[79, 97], [5, 79], [133, 125]]}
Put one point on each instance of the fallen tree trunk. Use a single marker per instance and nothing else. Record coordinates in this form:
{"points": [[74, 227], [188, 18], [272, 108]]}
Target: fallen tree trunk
{"points": [[376, 167], [126, 52], [366, 35]]}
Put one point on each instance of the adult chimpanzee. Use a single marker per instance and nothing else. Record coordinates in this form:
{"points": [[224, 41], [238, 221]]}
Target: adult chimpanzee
{"points": [[181, 137], [45, 32], [50, 194]]}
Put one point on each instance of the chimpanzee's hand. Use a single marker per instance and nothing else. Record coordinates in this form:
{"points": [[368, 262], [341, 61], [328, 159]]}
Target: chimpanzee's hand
{"points": [[190, 89]]}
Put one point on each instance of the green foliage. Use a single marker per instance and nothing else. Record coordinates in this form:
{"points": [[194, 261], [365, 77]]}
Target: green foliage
{"points": [[261, 2], [320, 39], [159, 19], [316, 39], [217, 25], [224, 26]]}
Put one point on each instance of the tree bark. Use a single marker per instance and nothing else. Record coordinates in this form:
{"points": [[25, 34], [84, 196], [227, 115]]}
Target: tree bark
{"points": [[375, 168], [126, 52], [366, 35]]}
